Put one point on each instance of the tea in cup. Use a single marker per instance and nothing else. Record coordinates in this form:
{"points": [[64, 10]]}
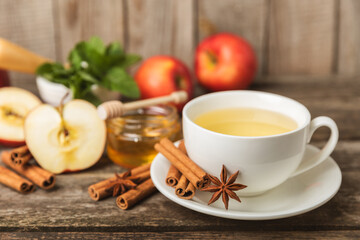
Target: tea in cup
{"points": [[262, 135], [246, 122]]}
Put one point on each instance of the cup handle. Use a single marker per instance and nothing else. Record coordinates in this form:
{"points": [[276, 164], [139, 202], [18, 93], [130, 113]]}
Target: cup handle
{"points": [[326, 151]]}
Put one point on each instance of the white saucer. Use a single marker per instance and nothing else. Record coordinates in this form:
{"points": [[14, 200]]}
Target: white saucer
{"points": [[297, 195]]}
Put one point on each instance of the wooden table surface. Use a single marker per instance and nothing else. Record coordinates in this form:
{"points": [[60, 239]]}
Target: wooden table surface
{"points": [[68, 211]]}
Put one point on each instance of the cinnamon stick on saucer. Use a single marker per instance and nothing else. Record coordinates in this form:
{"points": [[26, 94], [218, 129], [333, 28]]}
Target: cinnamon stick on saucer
{"points": [[14, 181], [20, 155], [133, 196], [35, 174], [99, 191], [173, 176], [185, 189], [183, 163]]}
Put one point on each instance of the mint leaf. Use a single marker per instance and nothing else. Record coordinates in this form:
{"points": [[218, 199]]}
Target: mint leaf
{"points": [[75, 59], [44, 68], [91, 62], [118, 80], [87, 77], [96, 44], [74, 90], [130, 59], [63, 81], [114, 54], [49, 68], [53, 71], [94, 60], [114, 49], [90, 97]]}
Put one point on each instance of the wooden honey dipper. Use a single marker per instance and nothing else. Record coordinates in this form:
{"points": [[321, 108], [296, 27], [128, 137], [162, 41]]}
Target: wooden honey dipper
{"points": [[16, 58], [113, 109]]}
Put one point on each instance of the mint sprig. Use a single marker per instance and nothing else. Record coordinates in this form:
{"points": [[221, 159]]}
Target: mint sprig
{"points": [[91, 62]]}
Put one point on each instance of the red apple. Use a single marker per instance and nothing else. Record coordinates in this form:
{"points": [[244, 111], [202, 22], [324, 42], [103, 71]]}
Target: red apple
{"points": [[162, 75], [4, 78], [225, 62]]}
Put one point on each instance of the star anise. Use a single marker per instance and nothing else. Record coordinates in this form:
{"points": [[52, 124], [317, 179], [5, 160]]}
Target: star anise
{"points": [[224, 187], [121, 184]]}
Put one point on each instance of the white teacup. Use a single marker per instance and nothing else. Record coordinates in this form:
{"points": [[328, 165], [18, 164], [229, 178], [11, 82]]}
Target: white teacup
{"points": [[264, 162]]}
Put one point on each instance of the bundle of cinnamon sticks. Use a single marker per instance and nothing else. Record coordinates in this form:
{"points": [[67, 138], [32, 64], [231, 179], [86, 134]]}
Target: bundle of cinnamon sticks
{"points": [[184, 175], [18, 160], [129, 187]]}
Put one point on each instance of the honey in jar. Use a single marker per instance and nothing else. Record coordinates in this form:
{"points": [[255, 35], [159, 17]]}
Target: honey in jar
{"points": [[131, 138]]}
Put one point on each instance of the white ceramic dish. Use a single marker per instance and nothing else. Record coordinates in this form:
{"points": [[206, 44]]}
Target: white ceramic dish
{"points": [[297, 195], [52, 93]]}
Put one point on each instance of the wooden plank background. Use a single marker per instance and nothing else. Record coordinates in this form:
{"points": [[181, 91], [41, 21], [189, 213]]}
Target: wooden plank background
{"points": [[317, 38]]}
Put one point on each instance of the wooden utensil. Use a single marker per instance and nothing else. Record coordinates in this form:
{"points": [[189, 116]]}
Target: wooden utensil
{"points": [[113, 109], [15, 58]]}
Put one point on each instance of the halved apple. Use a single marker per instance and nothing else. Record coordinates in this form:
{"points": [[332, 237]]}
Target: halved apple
{"points": [[15, 104], [65, 139]]}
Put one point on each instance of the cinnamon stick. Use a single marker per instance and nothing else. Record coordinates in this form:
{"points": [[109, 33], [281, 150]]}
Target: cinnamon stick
{"points": [[98, 191], [141, 177], [21, 161], [181, 153], [20, 151], [183, 148], [183, 163], [173, 176], [178, 164], [20, 155], [185, 189], [133, 196], [35, 174], [14, 181]]}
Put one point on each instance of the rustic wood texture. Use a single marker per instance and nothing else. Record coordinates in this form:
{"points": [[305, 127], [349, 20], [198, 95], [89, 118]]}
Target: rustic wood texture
{"points": [[247, 18], [301, 37], [157, 27], [79, 20], [211, 235], [68, 208], [28, 23], [349, 38], [318, 38]]}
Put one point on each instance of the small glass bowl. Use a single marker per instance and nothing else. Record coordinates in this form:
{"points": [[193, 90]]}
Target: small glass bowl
{"points": [[131, 138]]}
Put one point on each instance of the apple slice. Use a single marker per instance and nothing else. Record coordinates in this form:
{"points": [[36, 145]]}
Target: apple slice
{"points": [[67, 140], [15, 104]]}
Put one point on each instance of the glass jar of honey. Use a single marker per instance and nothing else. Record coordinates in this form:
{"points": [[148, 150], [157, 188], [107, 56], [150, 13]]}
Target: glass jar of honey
{"points": [[131, 137]]}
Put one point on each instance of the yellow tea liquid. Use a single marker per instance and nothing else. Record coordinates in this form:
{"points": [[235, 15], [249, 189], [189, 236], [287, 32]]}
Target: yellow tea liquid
{"points": [[247, 122]]}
